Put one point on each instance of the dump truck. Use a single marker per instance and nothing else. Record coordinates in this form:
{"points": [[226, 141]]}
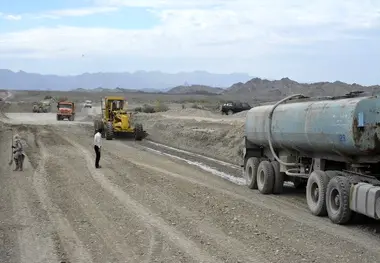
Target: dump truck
{"points": [[116, 121], [65, 110], [329, 145]]}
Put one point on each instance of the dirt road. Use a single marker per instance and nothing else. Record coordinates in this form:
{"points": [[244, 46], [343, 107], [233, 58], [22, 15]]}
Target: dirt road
{"points": [[148, 207]]}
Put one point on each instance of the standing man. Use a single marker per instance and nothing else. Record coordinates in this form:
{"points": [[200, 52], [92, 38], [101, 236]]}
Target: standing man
{"points": [[98, 146], [18, 153]]}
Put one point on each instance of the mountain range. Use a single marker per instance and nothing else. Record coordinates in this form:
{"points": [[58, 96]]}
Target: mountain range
{"points": [[140, 80], [236, 86]]}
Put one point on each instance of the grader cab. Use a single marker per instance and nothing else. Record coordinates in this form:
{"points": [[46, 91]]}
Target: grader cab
{"points": [[116, 121]]}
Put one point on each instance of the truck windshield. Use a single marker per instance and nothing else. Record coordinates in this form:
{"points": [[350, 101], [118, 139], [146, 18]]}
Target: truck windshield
{"points": [[65, 106]]}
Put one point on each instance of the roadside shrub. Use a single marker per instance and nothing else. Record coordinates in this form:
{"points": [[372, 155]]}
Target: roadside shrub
{"points": [[161, 107], [147, 108], [195, 106], [138, 109], [48, 97]]}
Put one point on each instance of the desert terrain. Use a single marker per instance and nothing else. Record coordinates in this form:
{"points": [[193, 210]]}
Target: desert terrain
{"points": [[176, 196]]}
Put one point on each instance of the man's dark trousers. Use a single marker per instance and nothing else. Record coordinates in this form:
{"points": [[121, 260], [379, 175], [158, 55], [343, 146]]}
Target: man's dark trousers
{"points": [[97, 159]]}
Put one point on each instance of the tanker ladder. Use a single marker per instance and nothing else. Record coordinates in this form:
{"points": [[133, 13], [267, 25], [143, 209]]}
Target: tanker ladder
{"points": [[329, 146]]}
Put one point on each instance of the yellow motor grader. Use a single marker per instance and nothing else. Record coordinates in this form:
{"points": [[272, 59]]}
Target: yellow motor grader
{"points": [[115, 119]]}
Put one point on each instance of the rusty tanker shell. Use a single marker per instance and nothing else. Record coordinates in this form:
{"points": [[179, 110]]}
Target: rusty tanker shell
{"points": [[348, 126]]}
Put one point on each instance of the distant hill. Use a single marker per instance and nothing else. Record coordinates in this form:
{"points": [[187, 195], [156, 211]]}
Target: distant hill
{"points": [[140, 80], [195, 89], [267, 90]]}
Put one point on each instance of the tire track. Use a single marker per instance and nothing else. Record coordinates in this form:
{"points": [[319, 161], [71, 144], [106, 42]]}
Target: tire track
{"points": [[158, 167], [75, 189], [69, 241], [271, 232], [216, 239], [25, 216], [365, 240], [176, 237]]}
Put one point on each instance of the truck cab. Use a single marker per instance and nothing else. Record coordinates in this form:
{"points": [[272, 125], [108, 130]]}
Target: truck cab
{"points": [[65, 110]]}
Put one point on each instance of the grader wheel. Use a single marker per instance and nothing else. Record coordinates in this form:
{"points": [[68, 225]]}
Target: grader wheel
{"points": [[109, 131], [139, 132]]}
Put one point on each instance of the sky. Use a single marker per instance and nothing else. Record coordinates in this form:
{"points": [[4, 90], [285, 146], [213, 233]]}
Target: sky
{"points": [[315, 40]]}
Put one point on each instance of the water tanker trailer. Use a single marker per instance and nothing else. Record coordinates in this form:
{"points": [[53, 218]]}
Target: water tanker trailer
{"points": [[330, 145]]}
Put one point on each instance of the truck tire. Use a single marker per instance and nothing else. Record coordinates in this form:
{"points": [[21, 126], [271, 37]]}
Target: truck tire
{"points": [[139, 132], [316, 193], [230, 112], [58, 118], [250, 172], [109, 131], [278, 185], [265, 177], [337, 200]]}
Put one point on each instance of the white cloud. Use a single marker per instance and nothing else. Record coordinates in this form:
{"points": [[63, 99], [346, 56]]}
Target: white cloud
{"points": [[10, 17], [208, 28], [77, 12]]}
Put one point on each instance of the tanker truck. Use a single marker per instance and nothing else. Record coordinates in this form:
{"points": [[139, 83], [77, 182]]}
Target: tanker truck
{"points": [[329, 145]]}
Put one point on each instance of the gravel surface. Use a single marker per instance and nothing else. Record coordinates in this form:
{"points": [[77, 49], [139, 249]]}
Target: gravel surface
{"points": [[143, 206]]}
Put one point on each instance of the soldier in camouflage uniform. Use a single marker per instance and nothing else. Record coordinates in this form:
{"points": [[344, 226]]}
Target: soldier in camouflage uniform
{"points": [[18, 153]]}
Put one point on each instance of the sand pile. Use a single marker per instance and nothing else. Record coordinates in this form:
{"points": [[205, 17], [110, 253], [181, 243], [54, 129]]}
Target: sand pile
{"points": [[218, 140], [192, 112]]}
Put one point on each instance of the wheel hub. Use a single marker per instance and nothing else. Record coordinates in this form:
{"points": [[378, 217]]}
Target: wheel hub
{"points": [[335, 200], [262, 176], [250, 173], [315, 192]]}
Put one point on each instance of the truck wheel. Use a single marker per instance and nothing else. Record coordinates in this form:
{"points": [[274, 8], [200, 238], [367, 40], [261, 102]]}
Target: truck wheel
{"points": [[230, 112], [109, 131], [265, 177], [316, 193], [337, 200], [58, 118], [250, 172], [139, 132], [278, 185]]}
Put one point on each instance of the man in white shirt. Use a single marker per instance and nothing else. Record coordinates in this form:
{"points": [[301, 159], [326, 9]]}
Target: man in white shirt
{"points": [[98, 146]]}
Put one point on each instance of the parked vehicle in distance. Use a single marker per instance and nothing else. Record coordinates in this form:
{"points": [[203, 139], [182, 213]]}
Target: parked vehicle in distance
{"points": [[230, 108], [88, 104], [43, 106]]}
